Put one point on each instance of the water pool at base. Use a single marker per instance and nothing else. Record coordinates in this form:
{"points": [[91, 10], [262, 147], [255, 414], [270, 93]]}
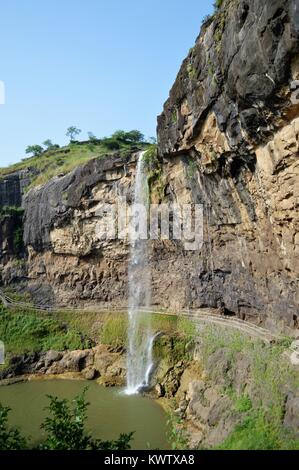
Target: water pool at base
{"points": [[109, 414]]}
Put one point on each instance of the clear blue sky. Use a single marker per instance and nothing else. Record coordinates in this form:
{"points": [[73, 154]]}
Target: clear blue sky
{"points": [[101, 65]]}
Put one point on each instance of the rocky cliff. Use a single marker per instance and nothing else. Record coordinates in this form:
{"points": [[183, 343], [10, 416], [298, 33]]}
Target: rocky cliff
{"points": [[232, 123], [227, 139]]}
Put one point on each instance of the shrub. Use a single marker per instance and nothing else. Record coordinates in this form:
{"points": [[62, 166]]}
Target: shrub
{"points": [[24, 331], [65, 428], [72, 132], [18, 239], [218, 4], [10, 438]]}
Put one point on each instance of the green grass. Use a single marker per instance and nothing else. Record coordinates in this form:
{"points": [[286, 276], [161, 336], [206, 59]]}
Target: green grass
{"points": [[256, 432], [26, 331], [63, 160], [270, 375]]}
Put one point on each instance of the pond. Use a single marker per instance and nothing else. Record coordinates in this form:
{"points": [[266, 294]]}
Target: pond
{"points": [[109, 414]]}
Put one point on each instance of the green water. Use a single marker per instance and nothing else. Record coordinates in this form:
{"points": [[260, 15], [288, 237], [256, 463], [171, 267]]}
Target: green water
{"points": [[110, 412]]}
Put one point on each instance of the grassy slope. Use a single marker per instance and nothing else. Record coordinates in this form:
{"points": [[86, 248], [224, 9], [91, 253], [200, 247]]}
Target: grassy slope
{"points": [[65, 159]]}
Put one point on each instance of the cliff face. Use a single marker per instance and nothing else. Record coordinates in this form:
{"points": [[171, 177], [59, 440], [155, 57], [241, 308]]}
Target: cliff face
{"points": [[68, 262], [12, 188], [232, 122], [228, 138]]}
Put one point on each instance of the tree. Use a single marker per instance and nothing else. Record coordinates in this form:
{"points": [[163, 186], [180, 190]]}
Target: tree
{"points": [[36, 150], [72, 132], [49, 145], [10, 438], [119, 135], [65, 428], [128, 137], [134, 136]]}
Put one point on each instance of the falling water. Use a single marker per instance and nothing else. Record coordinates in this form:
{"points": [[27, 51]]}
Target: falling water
{"points": [[140, 336]]}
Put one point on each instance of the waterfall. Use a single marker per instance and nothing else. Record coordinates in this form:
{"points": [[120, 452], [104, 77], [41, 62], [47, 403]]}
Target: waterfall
{"points": [[140, 336]]}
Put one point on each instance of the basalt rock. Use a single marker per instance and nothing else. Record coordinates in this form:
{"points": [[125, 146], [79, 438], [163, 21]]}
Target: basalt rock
{"points": [[228, 139]]}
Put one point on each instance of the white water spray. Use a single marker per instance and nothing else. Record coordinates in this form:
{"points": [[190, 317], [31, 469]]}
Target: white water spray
{"points": [[140, 336]]}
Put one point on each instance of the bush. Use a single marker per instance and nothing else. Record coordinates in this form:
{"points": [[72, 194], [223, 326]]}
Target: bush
{"points": [[24, 331], [18, 239], [11, 210], [64, 427], [218, 4], [10, 438]]}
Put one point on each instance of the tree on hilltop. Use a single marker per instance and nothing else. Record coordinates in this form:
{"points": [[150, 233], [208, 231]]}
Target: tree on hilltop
{"points": [[36, 150], [72, 132]]}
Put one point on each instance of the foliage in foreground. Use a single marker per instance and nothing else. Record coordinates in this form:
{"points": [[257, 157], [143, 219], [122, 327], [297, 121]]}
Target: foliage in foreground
{"points": [[258, 432], [64, 427], [10, 438]]}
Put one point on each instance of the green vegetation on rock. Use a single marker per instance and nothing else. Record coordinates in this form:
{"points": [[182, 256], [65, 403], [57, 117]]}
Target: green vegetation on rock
{"points": [[269, 374], [45, 164], [27, 331]]}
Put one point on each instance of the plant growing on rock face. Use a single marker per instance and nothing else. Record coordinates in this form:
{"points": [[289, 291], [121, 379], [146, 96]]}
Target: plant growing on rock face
{"points": [[218, 4], [191, 169], [176, 434], [35, 150], [191, 71], [18, 239], [174, 117], [72, 132], [155, 173]]}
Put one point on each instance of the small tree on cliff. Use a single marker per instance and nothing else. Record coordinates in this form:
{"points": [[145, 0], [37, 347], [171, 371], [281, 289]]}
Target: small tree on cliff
{"points": [[72, 132], [36, 150]]}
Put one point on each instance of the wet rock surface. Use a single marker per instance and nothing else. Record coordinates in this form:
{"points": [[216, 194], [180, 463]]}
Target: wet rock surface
{"points": [[228, 139]]}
